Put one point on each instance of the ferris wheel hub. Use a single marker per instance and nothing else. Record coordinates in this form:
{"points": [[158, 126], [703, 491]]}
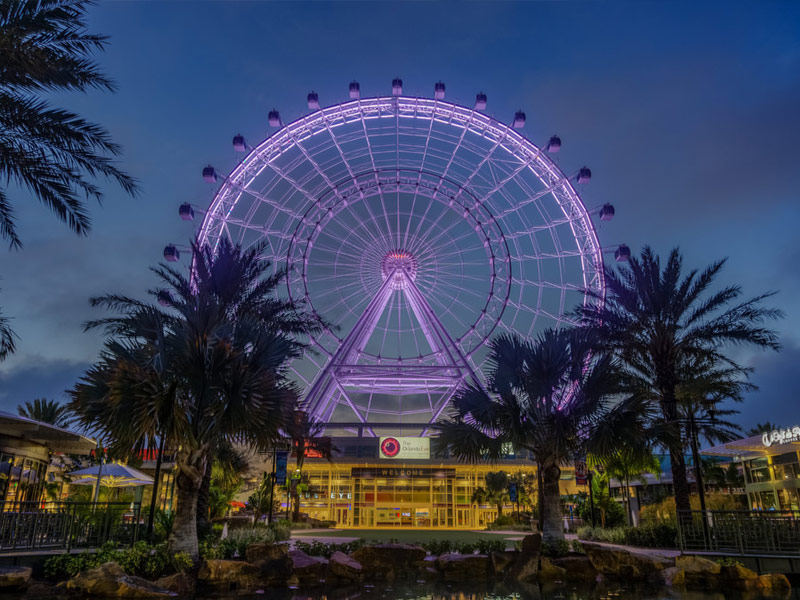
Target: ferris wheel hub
{"points": [[399, 264]]}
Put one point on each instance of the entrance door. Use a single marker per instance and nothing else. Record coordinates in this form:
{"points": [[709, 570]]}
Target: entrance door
{"points": [[463, 517], [342, 516]]}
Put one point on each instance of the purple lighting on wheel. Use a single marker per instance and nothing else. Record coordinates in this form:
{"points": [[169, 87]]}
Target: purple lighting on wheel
{"points": [[422, 229]]}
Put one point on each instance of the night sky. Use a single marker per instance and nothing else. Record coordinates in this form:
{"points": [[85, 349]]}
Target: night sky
{"points": [[687, 113]]}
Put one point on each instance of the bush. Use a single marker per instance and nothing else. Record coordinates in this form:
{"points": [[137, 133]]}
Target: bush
{"points": [[664, 511], [317, 548], [660, 535], [142, 560], [555, 548]]}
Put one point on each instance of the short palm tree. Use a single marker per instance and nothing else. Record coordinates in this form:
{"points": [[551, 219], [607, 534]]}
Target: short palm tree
{"points": [[760, 428], [54, 153], [495, 492], [46, 411], [657, 320], [210, 371], [550, 397], [305, 433], [626, 464]]}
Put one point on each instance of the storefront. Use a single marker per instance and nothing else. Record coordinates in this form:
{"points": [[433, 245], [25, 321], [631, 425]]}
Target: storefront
{"points": [[771, 467], [414, 493]]}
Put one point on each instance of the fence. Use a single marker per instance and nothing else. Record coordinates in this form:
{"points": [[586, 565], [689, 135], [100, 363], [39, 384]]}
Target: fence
{"points": [[740, 532], [67, 525]]}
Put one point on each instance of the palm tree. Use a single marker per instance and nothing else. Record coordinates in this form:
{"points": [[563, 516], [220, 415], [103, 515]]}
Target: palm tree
{"points": [[760, 428], [55, 154], [227, 472], [46, 411], [495, 492], [657, 321], [8, 339], [627, 463], [206, 371], [306, 435], [550, 397]]}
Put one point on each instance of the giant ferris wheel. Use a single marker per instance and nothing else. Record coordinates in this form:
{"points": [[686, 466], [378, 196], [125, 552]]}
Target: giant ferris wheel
{"points": [[417, 228]]}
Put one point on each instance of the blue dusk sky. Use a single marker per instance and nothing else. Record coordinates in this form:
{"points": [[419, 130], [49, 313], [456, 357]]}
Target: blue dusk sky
{"points": [[688, 114]]}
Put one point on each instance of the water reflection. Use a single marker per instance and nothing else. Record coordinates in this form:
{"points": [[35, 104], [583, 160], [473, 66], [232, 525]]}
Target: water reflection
{"points": [[500, 591]]}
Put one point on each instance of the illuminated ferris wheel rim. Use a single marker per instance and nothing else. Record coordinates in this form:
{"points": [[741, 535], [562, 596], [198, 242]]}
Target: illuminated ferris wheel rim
{"points": [[449, 113], [498, 216]]}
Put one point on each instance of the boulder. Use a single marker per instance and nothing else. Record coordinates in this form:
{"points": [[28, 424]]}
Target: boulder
{"points": [[229, 575], [575, 567], [526, 565], [307, 570], [464, 567], [260, 553], [502, 561], [673, 576], [550, 573], [616, 562], [43, 591], [775, 584], [344, 568], [738, 577], [182, 584], [110, 581], [14, 579], [389, 561], [699, 572]]}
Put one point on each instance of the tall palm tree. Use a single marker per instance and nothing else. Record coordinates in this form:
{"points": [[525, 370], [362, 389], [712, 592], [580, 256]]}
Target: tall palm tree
{"points": [[54, 153], [46, 411], [658, 320], [306, 434], [495, 492], [550, 397], [760, 428], [216, 367]]}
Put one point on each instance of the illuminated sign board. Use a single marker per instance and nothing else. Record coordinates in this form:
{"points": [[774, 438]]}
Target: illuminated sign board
{"points": [[781, 436], [405, 447]]}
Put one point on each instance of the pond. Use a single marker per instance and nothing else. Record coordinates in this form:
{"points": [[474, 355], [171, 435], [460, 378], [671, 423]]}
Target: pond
{"points": [[500, 591]]}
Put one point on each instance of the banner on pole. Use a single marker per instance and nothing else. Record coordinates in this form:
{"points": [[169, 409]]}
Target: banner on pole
{"points": [[281, 458], [581, 472]]}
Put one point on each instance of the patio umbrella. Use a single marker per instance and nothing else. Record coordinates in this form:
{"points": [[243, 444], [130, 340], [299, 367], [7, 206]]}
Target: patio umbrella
{"points": [[113, 475]]}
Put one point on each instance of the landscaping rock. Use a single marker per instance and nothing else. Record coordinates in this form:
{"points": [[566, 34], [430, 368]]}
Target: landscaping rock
{"points": [[464, 567], [182, 584], [549, 573], [14, 579], [699, 572], [775, 584], [576, 567], [618, 562], [229, 575], [307, 570], [110, 581], [344, 568], [527, 564], [673, 576], [38, 589], [260, 553], [389, 561], [502, 561], [738, 577]]}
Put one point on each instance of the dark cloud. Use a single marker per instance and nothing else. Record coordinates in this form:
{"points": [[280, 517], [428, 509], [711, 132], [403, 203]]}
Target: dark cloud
{"points": [[38, 378], [775, 374]]}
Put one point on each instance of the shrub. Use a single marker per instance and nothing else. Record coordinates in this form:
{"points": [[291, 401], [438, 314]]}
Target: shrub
{"points": [[555, 548], [142, 560], [577, 547], [317, 548], [660, 535]]}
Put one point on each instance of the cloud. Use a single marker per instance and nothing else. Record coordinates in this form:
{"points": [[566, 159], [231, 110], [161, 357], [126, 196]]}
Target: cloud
{"points": [[38, 378], [776, 398]]}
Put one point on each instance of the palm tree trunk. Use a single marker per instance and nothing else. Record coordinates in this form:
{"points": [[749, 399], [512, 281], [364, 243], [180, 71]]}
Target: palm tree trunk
{"points": [[499, 509], [680, 483], [183, 537], [552, 528], [202, 502]]}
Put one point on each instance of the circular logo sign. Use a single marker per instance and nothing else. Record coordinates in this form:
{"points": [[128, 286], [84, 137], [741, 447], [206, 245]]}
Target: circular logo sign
{"points": [[390, 447]]}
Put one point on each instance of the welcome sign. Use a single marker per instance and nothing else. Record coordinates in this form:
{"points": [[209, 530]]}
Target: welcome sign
{"points": [[405, 447]]}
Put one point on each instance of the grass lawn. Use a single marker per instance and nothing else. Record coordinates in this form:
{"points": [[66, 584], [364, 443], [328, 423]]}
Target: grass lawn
{"points": [[415, 536]]}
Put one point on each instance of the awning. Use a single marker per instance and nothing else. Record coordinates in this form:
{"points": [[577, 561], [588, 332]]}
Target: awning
{"points": [[55, 438]]}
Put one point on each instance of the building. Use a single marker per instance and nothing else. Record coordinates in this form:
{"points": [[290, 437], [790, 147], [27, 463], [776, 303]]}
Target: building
{"points": [[385, 482], [771, 467], [25, 449]]}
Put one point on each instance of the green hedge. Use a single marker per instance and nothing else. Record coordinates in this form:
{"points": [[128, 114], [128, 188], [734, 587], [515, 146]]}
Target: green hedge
{"points": [[433, 547]]}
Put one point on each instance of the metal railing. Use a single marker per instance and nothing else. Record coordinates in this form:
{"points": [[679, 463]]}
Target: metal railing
{"points": [[740, 532], [66, 525]]}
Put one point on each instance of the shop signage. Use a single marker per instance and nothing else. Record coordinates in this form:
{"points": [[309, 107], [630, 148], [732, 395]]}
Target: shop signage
{"points": [[781, 436], [581, 472], [373, 472], [405, 447]]}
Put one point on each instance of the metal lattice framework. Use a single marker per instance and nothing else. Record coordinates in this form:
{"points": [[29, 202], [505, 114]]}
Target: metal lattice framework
{"points": [[418, 228]]}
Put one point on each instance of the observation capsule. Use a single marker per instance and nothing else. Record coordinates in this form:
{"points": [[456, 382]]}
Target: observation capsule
{"points": [[519, 120], [171, 253], [606, 212], [210, 174], [554, 145], [355, 90], [164, 298], [274, 118], [186, 211], [438, 91], [622, 253], [239, 144], [584, 175], [397, 86], [480, 101], [313, 101]]}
